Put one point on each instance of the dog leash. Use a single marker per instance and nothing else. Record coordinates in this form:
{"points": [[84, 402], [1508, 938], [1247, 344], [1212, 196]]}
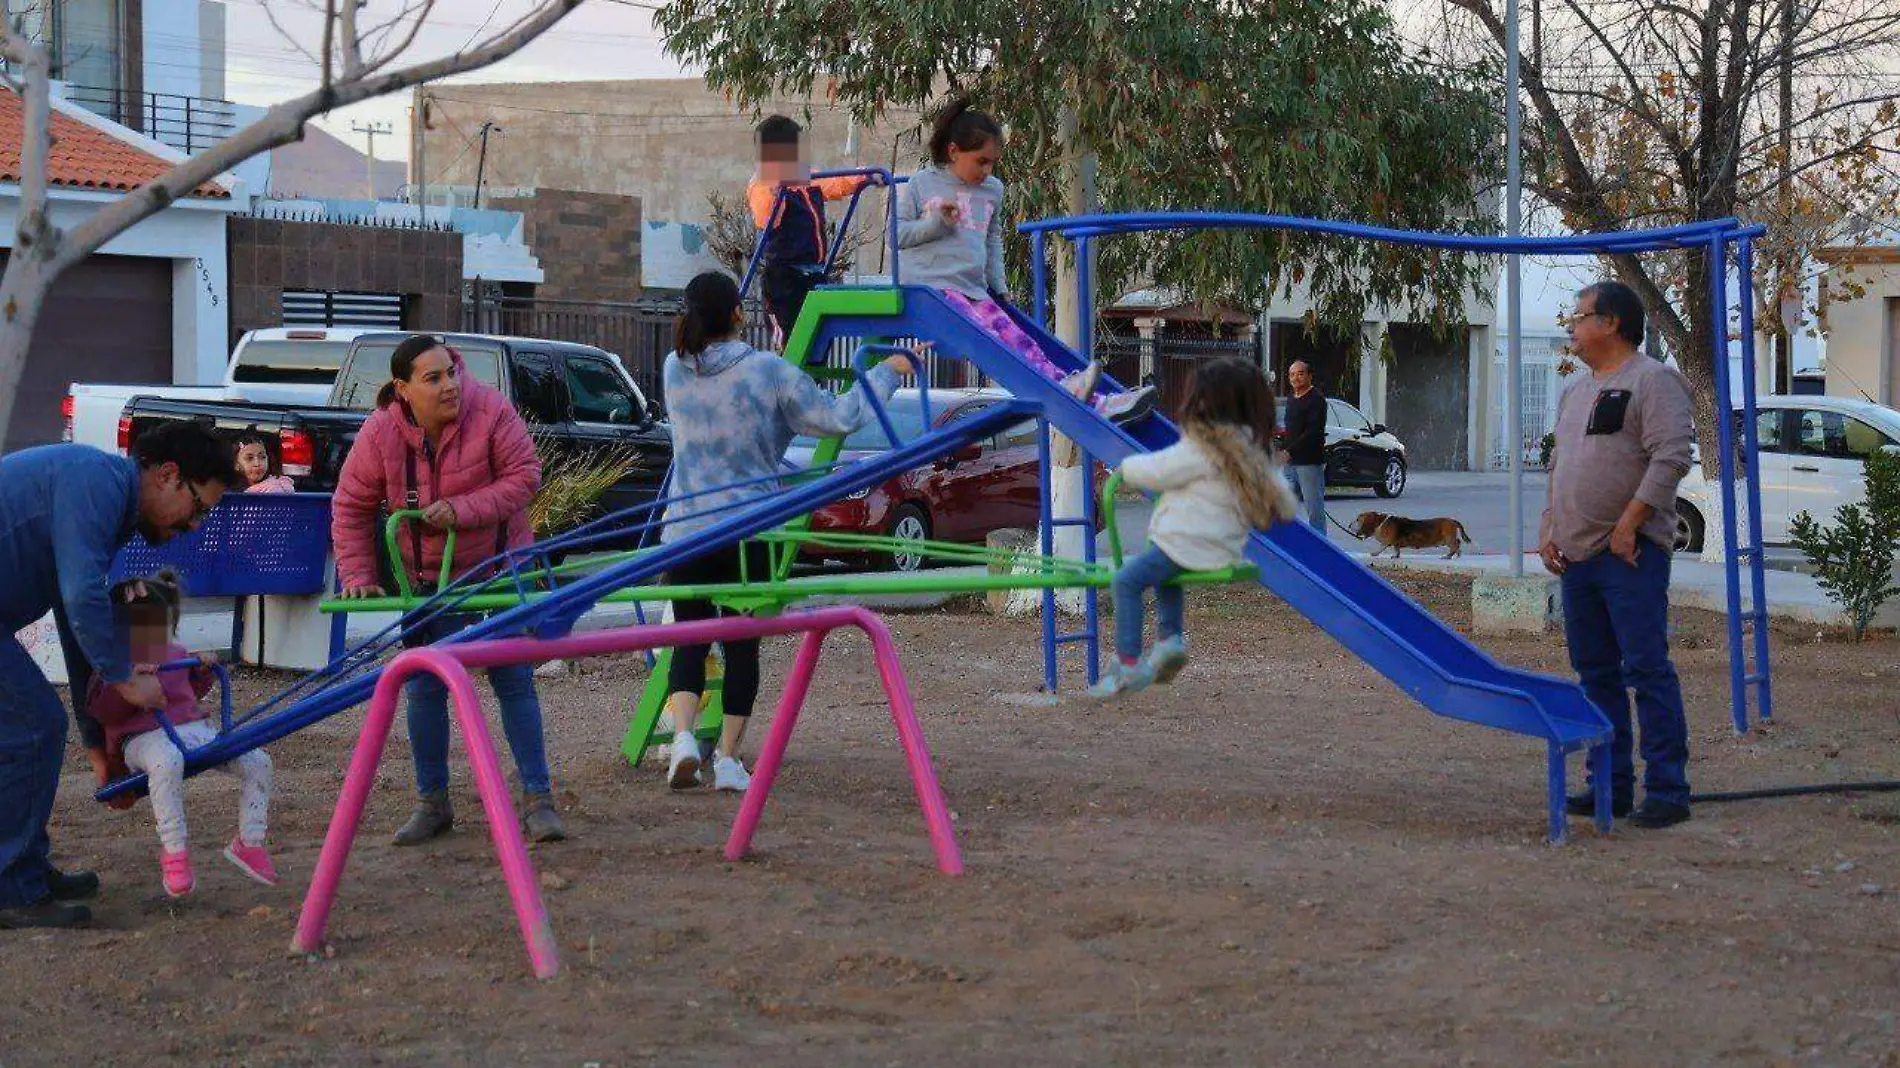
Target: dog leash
{"points": [[1342, 526]]}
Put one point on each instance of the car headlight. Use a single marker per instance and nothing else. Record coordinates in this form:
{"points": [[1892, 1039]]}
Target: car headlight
{"points": [[858, 496]]}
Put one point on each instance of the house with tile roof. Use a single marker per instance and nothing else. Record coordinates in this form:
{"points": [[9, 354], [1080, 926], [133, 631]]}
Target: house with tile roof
{"points": [[152, 305]]}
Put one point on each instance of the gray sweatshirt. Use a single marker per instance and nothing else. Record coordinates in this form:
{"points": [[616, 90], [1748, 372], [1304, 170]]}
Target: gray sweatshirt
{"points": [[1641, 455], [967, 257]]}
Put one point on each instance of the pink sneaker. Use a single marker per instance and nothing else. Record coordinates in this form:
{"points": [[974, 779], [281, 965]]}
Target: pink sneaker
{"points": [[177, 870], [252, 861]]}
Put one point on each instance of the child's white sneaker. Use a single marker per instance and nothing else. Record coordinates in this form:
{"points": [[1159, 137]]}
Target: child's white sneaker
{"points": [[1120, 678], [1126, 406], [1081, 384], [682, 771], [1168, 658], [729, 774]]}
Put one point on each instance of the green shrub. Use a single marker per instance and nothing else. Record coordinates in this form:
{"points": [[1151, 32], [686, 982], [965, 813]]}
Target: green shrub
{"points": [[1854, 558]]}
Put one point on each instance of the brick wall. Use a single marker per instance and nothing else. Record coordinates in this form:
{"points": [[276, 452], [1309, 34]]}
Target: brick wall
{"points": [[588, 243], [268, 256]]}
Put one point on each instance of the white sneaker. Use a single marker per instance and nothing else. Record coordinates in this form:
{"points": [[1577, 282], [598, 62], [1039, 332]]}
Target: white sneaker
{"points": [[1081, 384], [1120, 678], [682, 771], [1168, 658], [729, 774], [1126, 406]]}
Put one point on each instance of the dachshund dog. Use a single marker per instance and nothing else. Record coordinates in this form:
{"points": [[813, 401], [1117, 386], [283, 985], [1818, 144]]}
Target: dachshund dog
{"points": [[1398, 533]]}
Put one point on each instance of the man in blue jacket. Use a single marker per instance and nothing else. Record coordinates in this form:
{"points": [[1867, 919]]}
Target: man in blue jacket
{"points": [[65, 510]]}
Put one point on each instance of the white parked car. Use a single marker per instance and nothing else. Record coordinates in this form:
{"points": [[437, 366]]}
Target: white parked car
{"points": [[1812, 455]]}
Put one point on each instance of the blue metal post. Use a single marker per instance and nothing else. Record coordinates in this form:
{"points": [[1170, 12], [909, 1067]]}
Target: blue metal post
{"points": [[890, 220], [1047, 527], [1725, 436], [844, 228], [758, 250], [1039, 276], [1751, 474], [1084, 301], [1091, 597]]}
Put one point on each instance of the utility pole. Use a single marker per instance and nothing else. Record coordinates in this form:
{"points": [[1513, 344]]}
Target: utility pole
{"points": [[481, 162], [1513, 289], [420, 124], [1784, 270], [369, 166]]}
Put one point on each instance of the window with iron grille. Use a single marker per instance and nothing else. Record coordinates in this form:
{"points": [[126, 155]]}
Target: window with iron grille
{"points": [[303, 307]]}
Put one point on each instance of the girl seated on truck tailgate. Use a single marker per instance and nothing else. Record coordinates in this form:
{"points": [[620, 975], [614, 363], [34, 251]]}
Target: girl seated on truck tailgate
{"points": [[253, 462]]}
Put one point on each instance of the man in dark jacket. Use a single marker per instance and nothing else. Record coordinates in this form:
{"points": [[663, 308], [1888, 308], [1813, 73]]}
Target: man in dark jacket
{"points": [[65, 510], [1306, 443]]}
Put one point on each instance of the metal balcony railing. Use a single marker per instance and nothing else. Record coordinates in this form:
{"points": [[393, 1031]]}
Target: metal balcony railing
{"points": [[189, 124]]}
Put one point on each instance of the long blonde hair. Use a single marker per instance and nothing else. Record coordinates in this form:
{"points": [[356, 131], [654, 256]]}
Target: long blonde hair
{"points": [[1230, 412]]}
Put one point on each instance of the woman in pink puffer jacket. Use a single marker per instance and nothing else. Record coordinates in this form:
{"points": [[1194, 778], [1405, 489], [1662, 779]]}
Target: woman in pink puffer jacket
{"points": [[441, 442]]}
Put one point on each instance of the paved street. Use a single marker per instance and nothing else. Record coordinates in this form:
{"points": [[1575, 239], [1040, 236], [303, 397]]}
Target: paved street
{"points": [[1479, 500]]}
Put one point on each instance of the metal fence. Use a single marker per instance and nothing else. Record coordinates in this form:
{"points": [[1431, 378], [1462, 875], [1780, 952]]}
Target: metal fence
{"points": [[641, 333], [1172, 360], [189, 124]]}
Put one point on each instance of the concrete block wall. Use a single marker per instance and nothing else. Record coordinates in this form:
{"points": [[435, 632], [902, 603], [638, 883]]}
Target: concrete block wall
{"points": [[588, 243], [268, 256]]}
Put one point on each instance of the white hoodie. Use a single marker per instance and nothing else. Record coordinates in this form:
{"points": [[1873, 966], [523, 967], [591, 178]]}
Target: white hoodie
{"points": [[1199, 521]]}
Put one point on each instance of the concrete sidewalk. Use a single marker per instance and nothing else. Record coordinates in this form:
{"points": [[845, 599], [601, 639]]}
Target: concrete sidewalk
{"points": [[1790, 595]]}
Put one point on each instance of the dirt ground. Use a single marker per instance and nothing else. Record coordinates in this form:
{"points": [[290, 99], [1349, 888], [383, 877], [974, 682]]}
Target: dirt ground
{"points": [[1277, 860]]}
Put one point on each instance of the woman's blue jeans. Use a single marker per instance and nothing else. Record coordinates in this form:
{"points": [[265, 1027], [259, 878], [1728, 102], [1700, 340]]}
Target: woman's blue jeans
{"points": [[427, 708]]}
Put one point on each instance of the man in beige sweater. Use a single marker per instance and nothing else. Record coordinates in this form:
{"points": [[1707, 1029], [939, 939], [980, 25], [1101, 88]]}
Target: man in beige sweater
{"points": [[1622, 445]]}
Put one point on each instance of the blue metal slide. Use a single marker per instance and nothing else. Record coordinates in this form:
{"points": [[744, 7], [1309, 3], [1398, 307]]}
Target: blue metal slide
{"points": [[1393, 634]]}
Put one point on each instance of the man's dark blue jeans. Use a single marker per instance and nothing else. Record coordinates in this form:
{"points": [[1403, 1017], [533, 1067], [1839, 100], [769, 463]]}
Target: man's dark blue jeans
{"points": [[1616, 620]]}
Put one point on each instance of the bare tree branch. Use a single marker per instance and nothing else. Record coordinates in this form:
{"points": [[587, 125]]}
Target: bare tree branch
{"points": [[1639, 93], [384, 58], [271, 14], [42, 252], [283, 122], [347, 38], [329, 42]]}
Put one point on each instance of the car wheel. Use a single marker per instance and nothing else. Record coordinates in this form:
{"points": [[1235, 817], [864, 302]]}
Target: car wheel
{"points": [[1688, 528], [910, 524], [1393, 483]]}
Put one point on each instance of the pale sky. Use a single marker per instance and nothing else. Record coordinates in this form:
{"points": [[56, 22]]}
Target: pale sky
{"points": [[605, 40], [602, 39]]}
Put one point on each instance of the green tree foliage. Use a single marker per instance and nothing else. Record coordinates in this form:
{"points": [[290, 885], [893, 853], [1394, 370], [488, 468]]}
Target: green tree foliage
{"points": [[1300, 107]]}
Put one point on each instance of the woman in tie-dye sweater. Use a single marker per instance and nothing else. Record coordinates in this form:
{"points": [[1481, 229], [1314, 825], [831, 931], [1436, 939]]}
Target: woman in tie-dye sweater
{"points": [[733, 411]]}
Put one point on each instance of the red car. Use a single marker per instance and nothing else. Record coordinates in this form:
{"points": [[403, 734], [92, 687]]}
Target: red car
{"points": [[984, 486]]}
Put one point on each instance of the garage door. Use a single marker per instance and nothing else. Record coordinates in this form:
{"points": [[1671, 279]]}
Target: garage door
{"points": [[107, 320], [1428, 395]]}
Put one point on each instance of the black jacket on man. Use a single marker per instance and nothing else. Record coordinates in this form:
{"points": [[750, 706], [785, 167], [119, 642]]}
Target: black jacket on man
{"points": [[1306, 429]]}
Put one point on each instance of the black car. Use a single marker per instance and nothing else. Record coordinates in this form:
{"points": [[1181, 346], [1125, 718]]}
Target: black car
{"points": [[1359, 452]]}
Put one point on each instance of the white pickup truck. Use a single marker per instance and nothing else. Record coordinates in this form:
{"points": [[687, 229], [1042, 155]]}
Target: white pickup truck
{"points": [[276, 365]]}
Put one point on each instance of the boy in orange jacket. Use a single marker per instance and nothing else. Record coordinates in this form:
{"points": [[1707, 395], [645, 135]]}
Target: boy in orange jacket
{"points": [[789, 205]]}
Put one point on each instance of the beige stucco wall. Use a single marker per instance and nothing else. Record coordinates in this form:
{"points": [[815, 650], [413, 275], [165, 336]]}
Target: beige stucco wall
{"points": [[667, 141], [1859, 326]]}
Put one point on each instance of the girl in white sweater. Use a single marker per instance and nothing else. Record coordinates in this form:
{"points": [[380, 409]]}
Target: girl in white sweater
{"points": [[1217, 485]]}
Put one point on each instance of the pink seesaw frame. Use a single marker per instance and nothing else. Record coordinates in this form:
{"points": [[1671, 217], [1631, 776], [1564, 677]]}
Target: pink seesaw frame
{"points": [[452, 664]]}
